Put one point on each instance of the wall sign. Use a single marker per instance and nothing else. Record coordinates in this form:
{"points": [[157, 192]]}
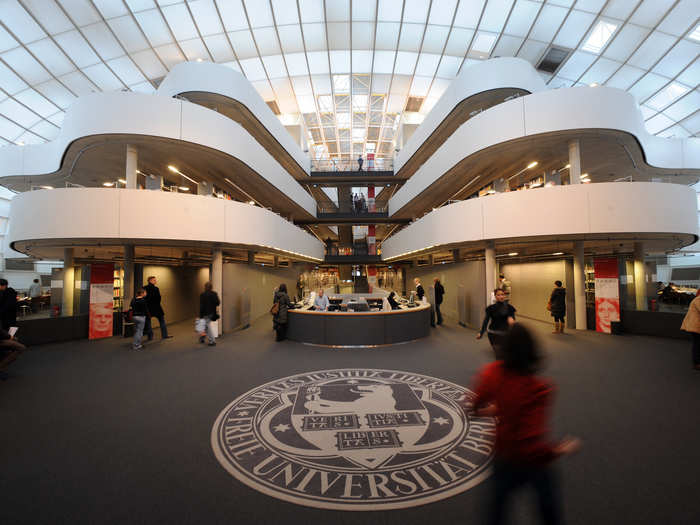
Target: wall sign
{"points": [[607, 293], [101, 300]]}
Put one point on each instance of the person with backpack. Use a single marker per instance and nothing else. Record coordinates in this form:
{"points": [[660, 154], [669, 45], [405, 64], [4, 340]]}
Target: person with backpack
{"points": [[279, 312], [208, 301], [139, 309]]}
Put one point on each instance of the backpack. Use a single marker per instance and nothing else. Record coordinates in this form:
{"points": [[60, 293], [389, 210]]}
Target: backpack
{"points": [[275, 308]]}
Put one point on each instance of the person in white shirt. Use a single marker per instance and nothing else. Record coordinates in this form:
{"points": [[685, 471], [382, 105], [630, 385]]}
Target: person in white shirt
{"points": [[34, 295], [321, 303]]}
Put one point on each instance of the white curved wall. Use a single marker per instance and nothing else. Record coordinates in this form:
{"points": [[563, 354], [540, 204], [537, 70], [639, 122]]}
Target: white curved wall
{"points": [[158, 116], [141, 215], [546, 112], [581, 209], [484, 76], [214, 78]]}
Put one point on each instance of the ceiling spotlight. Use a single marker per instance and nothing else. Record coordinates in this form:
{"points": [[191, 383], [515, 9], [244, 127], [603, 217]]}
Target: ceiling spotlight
{"points": [[173, 169], [252, 203], [183, 188], [558, 253], [584, 176], [594, 84], [532, 164], [512, 254], [108, 184], [199, 60], [123, 181], [46, 187]]}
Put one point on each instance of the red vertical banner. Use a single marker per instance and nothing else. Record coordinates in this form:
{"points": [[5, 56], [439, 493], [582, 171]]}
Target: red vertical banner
{"points": [[370, 161], [372, 277], [371, 239], [607, 293], [101, 300], [371, 205]]}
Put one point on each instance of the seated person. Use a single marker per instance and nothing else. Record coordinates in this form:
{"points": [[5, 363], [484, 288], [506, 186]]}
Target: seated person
{"points": [[9, 349], [392, 301], [321, 302]]}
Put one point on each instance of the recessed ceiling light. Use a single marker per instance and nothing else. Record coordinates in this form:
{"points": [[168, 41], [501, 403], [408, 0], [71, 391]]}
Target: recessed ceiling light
{"points": [[123, 181], [183, 188], [108, 184], [600, 35], [173, 169], [252, 203], [46, 187], [558, 253], [532, 165], [512, 254]]}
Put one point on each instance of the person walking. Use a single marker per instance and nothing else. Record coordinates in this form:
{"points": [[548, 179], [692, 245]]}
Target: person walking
{"points": [[156, 310], [500, 316], [439, 293], [420, 292], [360, 160], [139, 310], [8, 305], [280, 318], [208, 301], [9, 350], [35, 295], [557, 307], [510, 391], [691, 324]]}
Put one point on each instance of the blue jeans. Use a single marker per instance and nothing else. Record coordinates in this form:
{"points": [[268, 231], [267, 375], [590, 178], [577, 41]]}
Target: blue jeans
{"points": [[163, 327], [139, 323]]}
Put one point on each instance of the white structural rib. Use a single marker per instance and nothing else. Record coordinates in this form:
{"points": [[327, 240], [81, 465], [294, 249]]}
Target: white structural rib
{"points": [[47, 217], [578, 211], [221, 80], [498, 73]]}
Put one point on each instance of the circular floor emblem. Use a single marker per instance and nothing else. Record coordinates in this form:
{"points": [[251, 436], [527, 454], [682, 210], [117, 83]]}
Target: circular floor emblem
{"points": [[354, 439]]}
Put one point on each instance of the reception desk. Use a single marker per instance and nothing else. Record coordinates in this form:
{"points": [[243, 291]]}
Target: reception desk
{"points": [[350, 329]]}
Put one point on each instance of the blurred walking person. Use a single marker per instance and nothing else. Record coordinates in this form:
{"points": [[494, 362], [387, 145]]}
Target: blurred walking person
{"points": [[35, 295], [510, 391], [439, 293], [500, 316], [280, 309], [691, 323], [208, 301], [557, 307], [139, 310]]}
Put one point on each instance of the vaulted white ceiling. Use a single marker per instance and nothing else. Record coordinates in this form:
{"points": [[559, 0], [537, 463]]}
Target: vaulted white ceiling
{"points": [[348, 68]]}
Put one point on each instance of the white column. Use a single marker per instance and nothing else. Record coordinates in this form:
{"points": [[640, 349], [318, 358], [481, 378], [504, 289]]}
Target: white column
{"points": [[128, 292], [68, 282], [579, 286], [490, 269], [217, 281], [575, 162], [640, 284], [132, 159]]}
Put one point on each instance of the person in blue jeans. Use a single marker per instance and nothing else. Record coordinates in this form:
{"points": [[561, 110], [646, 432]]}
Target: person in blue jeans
{"points": [[208, 301], [140, 314]]}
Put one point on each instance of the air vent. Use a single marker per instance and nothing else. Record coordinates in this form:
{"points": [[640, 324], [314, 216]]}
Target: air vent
{"points": [[553, 59], [414, 103], [272, 104]]}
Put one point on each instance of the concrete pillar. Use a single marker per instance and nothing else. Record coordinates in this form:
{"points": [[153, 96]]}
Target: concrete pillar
{"points": [[128, 292], [640, 283], [574, 162], [579, 286], [132, 160], [490, 269], [68, 282], [217, 281]]}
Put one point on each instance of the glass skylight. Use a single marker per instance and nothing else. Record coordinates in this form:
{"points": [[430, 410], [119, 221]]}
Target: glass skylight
{"points": [[600, 35], [667, 95], [695, 34]]}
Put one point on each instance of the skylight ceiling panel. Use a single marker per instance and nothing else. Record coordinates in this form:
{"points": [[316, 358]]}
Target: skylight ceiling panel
{"points": [[103, 77], [380, 81], [36, 102], [338, 11], [143, 87], [576, 65], [233, 65], [405, 63], [420, 86], [684, 106], [49, 15], [46, 130], [362, 35], [108, 8], [9, 130], [676, 131], [318, 62], [57, 118], [128, 33], [626, 41], [180, 21], [77, 48], [388, 12], [416, 11], [548, 22], [619, 9], [194, 49], [28, 138], [259, 13], [78, 83], [266, 39], [592, 6], [56, 93], [651, 50], [232, 14], [574, 28], [170, 54], [395, 104], [458, 41], [219, 47], [691, 76], [560, 82], [666, 96], [532, 51], [482, 45], [435, 39], [301, 85], [296, 64], [291, 39], [387, 35], [314, 37], [340, 62], [647, 112], [102, 40], [658, 123], [361, 61], [243, 44], [651, 12], [322, 84], [449, 66], [140, 5], [601, 71], [51, 56], [442, 11], [677, 58], [495, 15], [692, 123], [311, 11], [306, 104], [285, 12], [522, 17], [16, 112], [384, 62], [400, 85], [468, 14], [339, 35], [678, 20], [149, 63], [206, 17], [81, 11], [6, 41], [274, 65], [26, 66], [625, 77], [155, 28], [427, 64], [282, 87], [507, 46], [647, 86], [20, 23], [411, 36], [264, 89], [253, 69]]}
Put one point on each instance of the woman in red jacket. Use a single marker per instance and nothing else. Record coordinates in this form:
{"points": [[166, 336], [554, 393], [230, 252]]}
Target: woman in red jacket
{"points": [[510, 390]]}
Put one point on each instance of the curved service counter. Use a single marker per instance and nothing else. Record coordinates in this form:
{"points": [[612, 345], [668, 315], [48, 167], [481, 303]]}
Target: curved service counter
{"points": [[350, 329]]}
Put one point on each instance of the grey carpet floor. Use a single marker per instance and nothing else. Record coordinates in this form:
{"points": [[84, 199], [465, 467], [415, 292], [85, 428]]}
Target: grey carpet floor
{"points": [[91, 432]]}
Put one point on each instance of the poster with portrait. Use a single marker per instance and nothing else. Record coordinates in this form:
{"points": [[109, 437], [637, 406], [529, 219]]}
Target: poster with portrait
{"points": [[101, 300], [607, 293]]}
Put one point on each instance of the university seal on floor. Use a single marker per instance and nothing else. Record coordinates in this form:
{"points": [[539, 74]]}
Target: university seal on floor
{"points": [[354, 439]]}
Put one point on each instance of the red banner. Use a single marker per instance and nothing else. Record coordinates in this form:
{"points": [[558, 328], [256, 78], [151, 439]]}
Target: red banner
{"points": [[607, 293], [101, 300]]}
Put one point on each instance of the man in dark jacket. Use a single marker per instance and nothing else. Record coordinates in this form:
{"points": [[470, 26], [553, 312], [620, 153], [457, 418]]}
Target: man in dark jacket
{"points": [[8, 305], [208, 301], [155, 309], [557, 306], [439, 293]]}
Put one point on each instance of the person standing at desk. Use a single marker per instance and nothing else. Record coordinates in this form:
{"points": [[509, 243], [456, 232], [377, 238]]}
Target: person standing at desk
{"points": [[321, 302], [35, 295], [439, 293], [419, 289]]}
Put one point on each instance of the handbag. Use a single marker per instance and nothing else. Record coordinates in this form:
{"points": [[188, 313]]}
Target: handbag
{"points": [[275, 308], [549, 306]]}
